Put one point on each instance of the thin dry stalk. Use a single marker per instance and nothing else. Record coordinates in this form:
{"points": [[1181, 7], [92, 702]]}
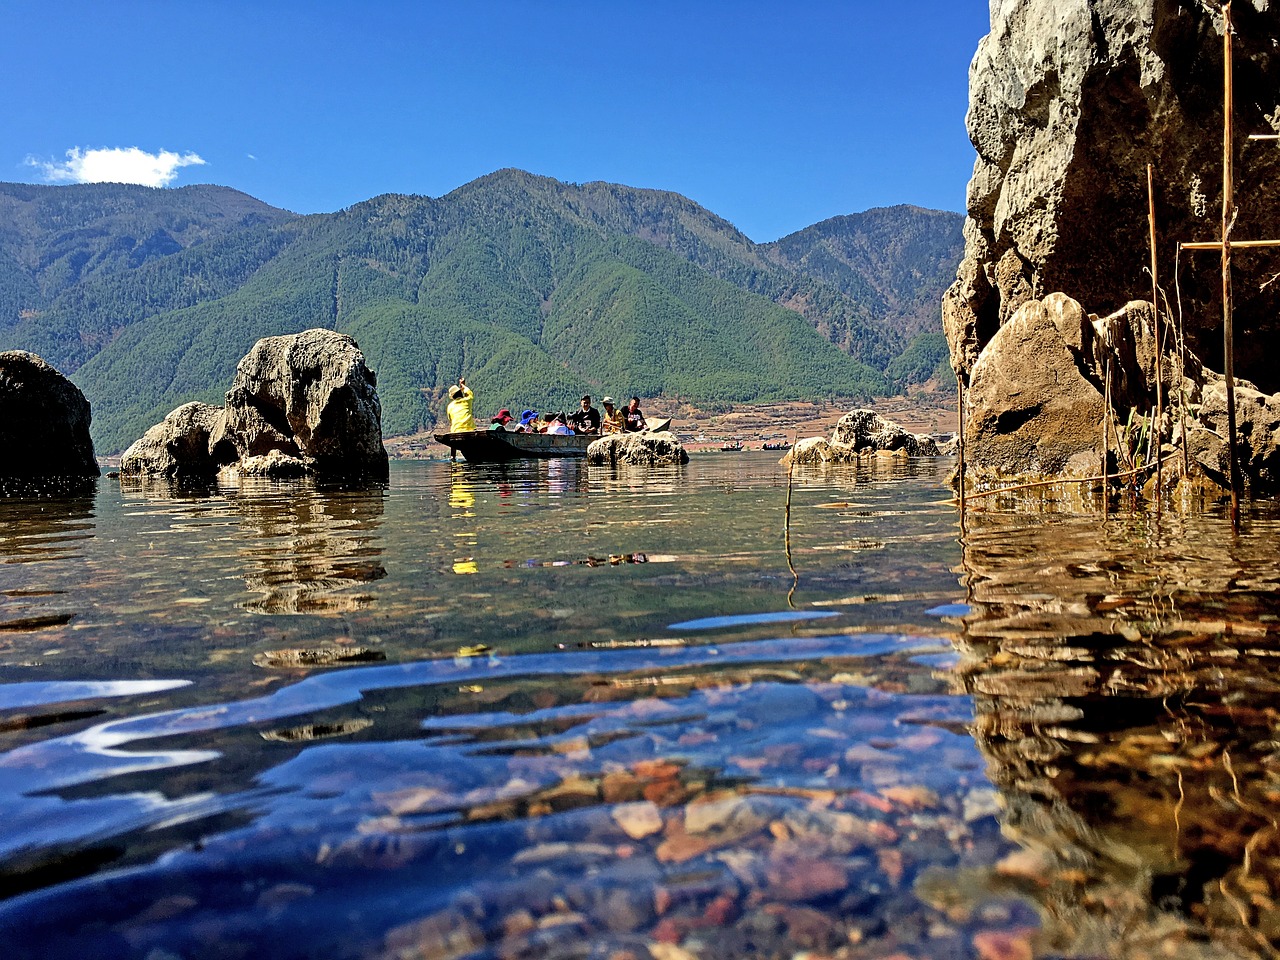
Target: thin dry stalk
{"points": [[1228, 218], [1155, 312], [1106, 434], [786, 528], [1182, 361], [960, 441]]}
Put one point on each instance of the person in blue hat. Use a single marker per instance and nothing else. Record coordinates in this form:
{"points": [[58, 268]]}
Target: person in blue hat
{"points": [[527, 420]]}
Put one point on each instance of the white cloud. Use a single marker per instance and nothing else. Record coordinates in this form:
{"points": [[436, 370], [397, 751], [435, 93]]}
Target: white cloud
{"points": [[116, 165]]}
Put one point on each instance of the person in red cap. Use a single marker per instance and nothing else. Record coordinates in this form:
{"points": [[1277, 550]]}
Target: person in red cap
{"points": [[501, 420]]}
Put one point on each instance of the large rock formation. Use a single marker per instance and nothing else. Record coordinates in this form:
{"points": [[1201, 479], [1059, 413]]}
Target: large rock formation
{"points": [[1068, 105], [300, 405], [861, 432], [44, 421]]}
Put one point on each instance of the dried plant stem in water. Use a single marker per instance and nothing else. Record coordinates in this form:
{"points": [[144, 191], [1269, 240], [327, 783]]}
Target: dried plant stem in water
{"points": [[1155, 313], [786, 529]]}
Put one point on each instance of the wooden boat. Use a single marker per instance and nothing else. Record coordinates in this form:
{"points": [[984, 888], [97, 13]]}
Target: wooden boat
{"points": [[731, 446], [497, 446]]}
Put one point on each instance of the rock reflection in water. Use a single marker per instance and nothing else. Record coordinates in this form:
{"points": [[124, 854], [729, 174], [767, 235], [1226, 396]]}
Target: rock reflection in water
{"points": [[1125, 687], [307, 549]]}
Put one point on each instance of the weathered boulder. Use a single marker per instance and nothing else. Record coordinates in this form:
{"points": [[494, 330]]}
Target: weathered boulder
{"points": [[861, 433], [1068, 103], [1036, 401], [1257, 433], [301, 405], [273, 465], [44, 421], [176, 448], [863, 429], [308, 396], [644, 449]]}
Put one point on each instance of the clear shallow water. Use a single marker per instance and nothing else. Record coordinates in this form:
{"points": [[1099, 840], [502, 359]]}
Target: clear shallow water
{"points": [[592, 714]]}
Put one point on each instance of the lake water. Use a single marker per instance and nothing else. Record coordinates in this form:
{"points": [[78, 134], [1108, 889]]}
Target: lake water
{"points": [[551, 710]]}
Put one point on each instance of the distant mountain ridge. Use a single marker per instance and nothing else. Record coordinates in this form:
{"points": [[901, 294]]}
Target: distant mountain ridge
{"points": [[897, 260], [536, 289]]}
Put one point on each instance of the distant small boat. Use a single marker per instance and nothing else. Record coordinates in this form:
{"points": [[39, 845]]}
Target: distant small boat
{"points": [[731, 446], [779, 445]]}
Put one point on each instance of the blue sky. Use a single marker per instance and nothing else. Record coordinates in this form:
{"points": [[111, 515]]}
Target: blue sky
{"points": [[774, 115]]}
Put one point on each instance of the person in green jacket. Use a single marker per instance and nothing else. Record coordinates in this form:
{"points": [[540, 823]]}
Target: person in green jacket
{"points": [[461, 415]]}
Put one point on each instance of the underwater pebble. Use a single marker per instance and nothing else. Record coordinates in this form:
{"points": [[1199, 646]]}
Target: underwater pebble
{"points": [[638, 820]]}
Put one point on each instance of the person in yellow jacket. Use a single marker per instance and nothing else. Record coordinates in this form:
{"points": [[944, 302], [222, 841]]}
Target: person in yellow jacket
{"points": [[461, 417]]}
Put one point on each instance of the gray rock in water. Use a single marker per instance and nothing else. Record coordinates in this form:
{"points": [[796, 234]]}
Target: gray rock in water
{"points": [[274, 465], [866, 429], [177, 448], [308, 396], [301, 405], [861, 432], [646, 449], [44, 421]]}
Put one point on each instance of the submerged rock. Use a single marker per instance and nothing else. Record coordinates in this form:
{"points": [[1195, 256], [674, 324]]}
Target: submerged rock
{"points": [[44, 421], [645, 449], [861, 432]]}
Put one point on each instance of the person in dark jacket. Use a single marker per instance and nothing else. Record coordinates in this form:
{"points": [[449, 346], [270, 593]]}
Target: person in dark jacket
{"points": [[586, 419]]}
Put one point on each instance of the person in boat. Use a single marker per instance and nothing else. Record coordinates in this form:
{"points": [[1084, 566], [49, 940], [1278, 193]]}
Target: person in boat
{"points": [[633, 420], [558, 426], [501, 420], [461, 417], [612, 422], [586, 419], [528, 421]]}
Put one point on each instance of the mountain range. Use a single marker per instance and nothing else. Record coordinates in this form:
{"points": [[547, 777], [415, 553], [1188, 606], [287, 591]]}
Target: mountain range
{"points": [[534, 289]]}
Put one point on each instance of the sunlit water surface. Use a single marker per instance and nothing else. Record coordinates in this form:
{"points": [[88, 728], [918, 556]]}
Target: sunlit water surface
{"points": [[548, 710]]}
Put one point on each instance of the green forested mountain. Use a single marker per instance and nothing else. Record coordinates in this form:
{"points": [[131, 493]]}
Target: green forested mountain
{"points": [[532, 288], [896, 261], [72, 258]]}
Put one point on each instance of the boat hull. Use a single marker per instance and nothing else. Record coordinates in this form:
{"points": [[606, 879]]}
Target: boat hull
{"points": [[497, 446]]}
